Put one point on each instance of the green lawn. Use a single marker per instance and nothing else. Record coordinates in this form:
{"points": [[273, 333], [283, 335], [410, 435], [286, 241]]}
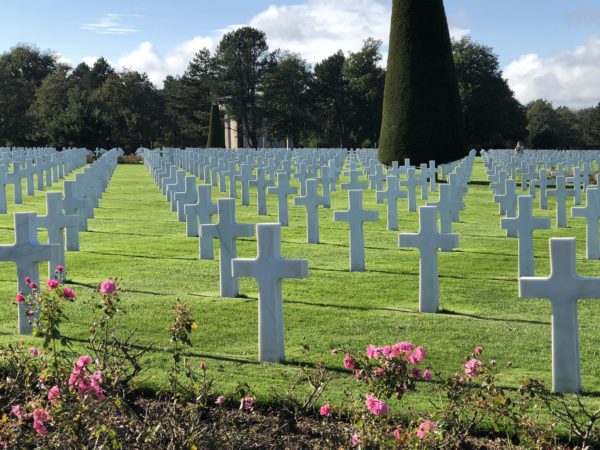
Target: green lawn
{"points": [[136, 238]]}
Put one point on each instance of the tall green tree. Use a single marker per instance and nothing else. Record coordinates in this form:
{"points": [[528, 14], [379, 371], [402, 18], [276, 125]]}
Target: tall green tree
{"points": [[331, 94], [493, 117], [22, 70], [422, 115], [216, 132], [542, 125], [242, 60], [287, 99], [366, 81]]}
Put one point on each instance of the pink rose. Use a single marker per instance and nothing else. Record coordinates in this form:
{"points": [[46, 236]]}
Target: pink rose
{"points": [[54, 394], [333, 352], [32, 285], [34, 352], [202, 365], [19, 298], [399, 434], [427, 375], [40, 417], [220, 400], [68, 293], [425, 428], [52, 284], [349, 362], [478, 350], [355, 439], [376, 406], [325, 410], [420, 354], [472, 368], [247, 403], [372, 352], [16, 410], [108, 287], [59, 268]]}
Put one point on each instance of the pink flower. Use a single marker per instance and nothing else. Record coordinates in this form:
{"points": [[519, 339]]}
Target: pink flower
{"points": [[425, 428], [202, 365], [416, 373], [68, 293], [387, 351], [16, 410], [27, 280], [427, 375], [376, 406], [372, 352], [19, 298], [420, 354], [40, 416], [378, 372], [333, 352], [349, 362], [399, 434], [355, 439], [472, 368], [59, 268], [220, 400], [52, 284], [478, 350], [81, 380], [54, 394], [32, 285], [34, 352], [108, 287], [403, 347], [247, 403], [325, 410]]}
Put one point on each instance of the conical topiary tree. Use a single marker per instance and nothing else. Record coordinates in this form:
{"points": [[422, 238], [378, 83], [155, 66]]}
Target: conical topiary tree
{"points": [[422, 115], [216, 132]]}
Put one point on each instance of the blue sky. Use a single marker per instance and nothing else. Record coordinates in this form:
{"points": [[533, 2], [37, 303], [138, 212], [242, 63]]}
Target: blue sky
{"points": [[547, 48]]}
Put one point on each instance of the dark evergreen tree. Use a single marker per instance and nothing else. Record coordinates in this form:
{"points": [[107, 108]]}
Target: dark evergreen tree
{"points": [[216, 132], [422, 117]]}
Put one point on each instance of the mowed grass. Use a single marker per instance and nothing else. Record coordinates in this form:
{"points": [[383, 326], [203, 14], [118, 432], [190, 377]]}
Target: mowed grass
{"points": [[134, 236]]}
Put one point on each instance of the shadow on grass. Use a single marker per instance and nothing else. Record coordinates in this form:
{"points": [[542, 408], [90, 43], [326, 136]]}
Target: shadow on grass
{"points": [[127, 234], [449, 312], [126, 255]]}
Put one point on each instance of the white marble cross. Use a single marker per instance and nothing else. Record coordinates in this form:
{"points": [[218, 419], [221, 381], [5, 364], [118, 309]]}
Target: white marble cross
{"points": [[311, 201], [411, 182], [355, 215], [245, 176], [522, 227], [424, 181], [3, 182], [563, 288], [391, 196], [508, 200], [543, 183], [55, 221], [448, 208], [201, 212], [227, 230], [591, 213], [561, 193], [282, 190], [428, 240], [74, 204], [187, 197], [15, 178], [261, 186], [354, 182], [27, 253], [577, 180], [270, 268]]}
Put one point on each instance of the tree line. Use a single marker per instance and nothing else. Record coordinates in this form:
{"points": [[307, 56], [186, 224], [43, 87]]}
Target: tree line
{"points": [[272, 93]]}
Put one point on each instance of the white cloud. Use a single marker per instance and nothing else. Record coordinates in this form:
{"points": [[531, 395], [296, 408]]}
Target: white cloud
{"points": [[318, 28], [63, 59], [570, 78], [111, 23], [90, 60], [315, 29], [145, 58]]}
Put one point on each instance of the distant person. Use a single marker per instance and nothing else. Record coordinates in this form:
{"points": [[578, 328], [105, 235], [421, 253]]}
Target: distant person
{"points": [[519, 148]]}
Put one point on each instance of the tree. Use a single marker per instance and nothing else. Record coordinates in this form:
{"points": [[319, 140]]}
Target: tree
{"points": [[365, 86], [242, 60], [287, 100], [216, 132], [22, 70], [422, 116], [542, 124], [134, 108], [493, 117], [588, 123], [331, 95]]}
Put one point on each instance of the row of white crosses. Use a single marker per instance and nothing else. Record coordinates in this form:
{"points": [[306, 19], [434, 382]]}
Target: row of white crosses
{"points": [[27, 252], [25, 164], [563, 287]]}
